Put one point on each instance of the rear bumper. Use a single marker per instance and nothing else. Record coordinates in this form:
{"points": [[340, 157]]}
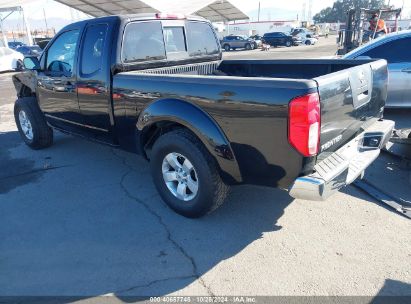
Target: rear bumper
{"points": [[343, 166]]}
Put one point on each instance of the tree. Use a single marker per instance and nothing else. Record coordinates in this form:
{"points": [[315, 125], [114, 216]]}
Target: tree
{"points": [[338, 13]]}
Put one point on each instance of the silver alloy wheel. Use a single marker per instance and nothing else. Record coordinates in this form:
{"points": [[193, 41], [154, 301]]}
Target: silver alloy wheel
{"points": [[180, 176], [25, 125]]}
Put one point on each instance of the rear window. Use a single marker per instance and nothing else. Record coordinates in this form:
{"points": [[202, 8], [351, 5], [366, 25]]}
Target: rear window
{"points": [[143, 41], [147, 41], [201, 39], [174, 39]]}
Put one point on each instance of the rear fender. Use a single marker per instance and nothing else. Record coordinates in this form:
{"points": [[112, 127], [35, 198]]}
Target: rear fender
{"points": [[200, 123]]}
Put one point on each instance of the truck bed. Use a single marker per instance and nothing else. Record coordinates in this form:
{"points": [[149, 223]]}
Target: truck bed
{"points": [[294, 69], [249, 100]]}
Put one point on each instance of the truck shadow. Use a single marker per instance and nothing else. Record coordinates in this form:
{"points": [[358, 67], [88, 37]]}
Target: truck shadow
{"points": [[22, 170], [77, 238]]}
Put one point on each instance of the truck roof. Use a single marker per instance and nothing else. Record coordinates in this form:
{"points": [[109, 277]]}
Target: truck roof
{"points": [[137, 17]]}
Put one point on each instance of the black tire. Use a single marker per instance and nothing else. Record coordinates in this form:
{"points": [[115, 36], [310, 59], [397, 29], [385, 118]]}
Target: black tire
{"points": [[212, 191], [227, 47], [288, 43], [308, 42], [42, 134], [248, 46]]}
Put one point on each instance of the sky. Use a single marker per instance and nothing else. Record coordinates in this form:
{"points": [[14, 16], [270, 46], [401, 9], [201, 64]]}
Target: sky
{"points": [[288, 8]]}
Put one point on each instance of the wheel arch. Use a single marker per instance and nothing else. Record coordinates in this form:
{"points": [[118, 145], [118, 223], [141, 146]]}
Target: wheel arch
{"points": [[24, 85], [164, 115]]}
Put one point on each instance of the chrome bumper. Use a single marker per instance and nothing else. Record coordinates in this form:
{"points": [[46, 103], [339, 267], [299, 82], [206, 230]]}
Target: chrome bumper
{"points": [[343, 166]]}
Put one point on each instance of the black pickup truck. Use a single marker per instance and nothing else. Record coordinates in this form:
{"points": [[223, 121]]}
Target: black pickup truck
{"points": [[156, 84]]}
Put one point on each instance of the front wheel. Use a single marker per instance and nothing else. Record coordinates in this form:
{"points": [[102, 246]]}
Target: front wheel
{"points": [[288, 44], [248, 46], [186, 175], [32, 124], [226, 47]]}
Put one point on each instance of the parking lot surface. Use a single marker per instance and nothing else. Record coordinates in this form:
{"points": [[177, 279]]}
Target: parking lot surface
{"points": [[82, 219], [325, 48]]}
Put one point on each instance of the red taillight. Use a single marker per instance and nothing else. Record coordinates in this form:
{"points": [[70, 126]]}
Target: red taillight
{"points": [[304, 122], [170, 16]]}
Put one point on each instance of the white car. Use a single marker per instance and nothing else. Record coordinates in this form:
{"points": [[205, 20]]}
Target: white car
{"points": [[310, 41], [10, 60]]}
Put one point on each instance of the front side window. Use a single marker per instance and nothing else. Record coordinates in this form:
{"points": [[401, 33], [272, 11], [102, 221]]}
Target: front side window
{"points": [[93, 46], [143, 41], [200, 39], [60, 55]]}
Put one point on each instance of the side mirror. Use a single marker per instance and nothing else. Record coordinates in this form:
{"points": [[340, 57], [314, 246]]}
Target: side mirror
{"points": [[31, 63]]}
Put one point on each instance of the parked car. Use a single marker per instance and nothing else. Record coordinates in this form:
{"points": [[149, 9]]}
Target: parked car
{"points": [[238, 42], [395, 48], [10, 60], [312, 126], [15, 44], [258, 40], [309, 40], [303, 33], [33, 50], [280, 39]]}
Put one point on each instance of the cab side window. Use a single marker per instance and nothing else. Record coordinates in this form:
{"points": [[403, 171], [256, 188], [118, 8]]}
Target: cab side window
{"points": [[60, 55], [93, 46]]}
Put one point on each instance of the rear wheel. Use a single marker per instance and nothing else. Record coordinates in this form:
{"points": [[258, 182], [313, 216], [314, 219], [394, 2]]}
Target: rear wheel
{"points": [[186, 175], [226, 47], [32, 124]]}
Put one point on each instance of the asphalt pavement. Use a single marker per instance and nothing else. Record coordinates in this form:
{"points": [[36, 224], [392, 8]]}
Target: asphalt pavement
{"points": [[82, 219], [325, 48]]}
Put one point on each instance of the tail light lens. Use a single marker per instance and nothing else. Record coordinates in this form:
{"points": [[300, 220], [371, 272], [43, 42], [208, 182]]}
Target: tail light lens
{"points": [[304, 124]]}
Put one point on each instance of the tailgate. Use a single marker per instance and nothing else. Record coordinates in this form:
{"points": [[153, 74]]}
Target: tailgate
{"points": [[351, 100]]}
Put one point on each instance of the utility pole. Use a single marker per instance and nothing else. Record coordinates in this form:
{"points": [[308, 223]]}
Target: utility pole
{"points": [[304, 15], [3, 33], [259, 8], [45, 21], [310, 10], [27, 26]]}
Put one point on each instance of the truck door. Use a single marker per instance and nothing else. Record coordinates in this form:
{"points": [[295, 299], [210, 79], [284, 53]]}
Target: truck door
{"points": [[56, 84], [93, 81]]}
